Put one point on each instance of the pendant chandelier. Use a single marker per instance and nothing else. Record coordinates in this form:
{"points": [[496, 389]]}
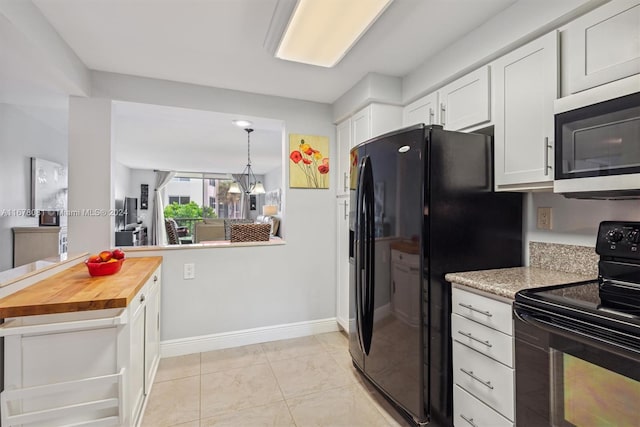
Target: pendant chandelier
{"points": [[247, 182]]}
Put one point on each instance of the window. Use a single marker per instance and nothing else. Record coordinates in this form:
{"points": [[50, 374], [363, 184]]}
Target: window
{"points": [[181, 200], [201, 198]]}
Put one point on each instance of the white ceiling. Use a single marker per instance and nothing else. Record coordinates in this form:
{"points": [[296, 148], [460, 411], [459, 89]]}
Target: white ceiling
{"points": [[170, 138], [219, 43]]}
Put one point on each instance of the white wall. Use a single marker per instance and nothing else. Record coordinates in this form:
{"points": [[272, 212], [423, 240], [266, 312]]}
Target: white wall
{"points": [[122, 181], [273, 180], [91, 183], [227, 295], [575, 221], [25, 132], [253, 286]]}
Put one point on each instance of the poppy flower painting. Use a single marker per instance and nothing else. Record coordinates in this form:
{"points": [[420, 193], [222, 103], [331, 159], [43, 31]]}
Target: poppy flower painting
{"points": [[308, 161]]}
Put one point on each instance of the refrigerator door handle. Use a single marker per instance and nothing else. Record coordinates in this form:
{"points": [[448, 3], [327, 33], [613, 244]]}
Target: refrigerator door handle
{"points": [[359, 255], [369, 249]]}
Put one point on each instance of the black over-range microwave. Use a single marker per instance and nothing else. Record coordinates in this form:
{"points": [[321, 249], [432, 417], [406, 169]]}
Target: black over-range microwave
{"points": [[597, 142]]}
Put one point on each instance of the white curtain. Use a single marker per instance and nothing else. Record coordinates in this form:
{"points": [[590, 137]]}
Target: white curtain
{"points": [[244, 197], [158, 232]]}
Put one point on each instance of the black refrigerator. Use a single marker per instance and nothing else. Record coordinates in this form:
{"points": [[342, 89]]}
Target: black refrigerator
{"points": [[428, 193]]}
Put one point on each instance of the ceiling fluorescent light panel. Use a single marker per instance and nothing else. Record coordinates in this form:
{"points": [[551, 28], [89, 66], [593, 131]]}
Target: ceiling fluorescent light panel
{"points": [[320, 32]]}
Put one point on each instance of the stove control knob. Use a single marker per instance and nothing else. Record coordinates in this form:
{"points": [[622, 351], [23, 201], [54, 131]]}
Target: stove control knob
{"points": [[614, 236], [634, 236]]}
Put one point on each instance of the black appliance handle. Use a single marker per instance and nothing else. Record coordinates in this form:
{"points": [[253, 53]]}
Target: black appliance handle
{"points": [[369, 250], [594, 335], [360, 253]]}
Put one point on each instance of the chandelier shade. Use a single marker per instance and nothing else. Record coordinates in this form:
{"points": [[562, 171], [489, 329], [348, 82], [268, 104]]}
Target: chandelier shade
{"points": [[246, 181]]}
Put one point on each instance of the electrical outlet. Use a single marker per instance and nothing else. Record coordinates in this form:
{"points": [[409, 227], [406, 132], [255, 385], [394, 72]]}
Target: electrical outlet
{"points": [[544, 219], [189, 271]]}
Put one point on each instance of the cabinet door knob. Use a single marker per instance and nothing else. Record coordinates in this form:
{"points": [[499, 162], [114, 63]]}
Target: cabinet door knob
{"points": [[142, 298], [155, 279]]}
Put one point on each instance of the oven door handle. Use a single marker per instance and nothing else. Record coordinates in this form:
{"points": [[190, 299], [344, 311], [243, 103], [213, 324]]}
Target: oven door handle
{"points": [[574, 334]]}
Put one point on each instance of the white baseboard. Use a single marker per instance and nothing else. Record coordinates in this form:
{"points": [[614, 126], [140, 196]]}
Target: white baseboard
{"points": [[343, 323], [219, 341]]}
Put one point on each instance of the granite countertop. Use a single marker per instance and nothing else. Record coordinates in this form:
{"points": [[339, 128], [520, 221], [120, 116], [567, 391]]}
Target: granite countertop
{"points": [[505, 282]]}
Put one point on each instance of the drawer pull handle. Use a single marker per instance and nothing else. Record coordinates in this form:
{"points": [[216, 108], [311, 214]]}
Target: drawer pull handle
{"points": [[471, 337], [469, 420], [480, 380], [142, 298], [472, 308]]}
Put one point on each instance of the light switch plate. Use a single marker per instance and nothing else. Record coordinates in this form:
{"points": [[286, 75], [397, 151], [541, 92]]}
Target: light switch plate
{"points": [[189, 271], [544, 219]]}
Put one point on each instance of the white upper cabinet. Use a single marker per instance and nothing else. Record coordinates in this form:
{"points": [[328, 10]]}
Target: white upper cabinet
{"points": [[343, 138], [526, 84], [361, 126], [425, 110], [601, 46], [465, 102], [375, 120]]}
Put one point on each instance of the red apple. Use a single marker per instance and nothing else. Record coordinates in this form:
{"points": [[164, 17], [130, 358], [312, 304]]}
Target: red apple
{"points": [[105, 256], [117, 253], [94, 258]]}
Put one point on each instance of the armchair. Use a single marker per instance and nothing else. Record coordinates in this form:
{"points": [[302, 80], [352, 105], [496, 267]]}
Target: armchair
{"points": [[174, 232]]}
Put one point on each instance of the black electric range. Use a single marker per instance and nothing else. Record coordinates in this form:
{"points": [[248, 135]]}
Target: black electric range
{"points": [[577, 352], [613, 299]]}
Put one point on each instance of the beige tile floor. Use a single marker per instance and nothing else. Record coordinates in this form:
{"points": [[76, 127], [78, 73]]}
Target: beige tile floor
{"points": [[299, 382]]}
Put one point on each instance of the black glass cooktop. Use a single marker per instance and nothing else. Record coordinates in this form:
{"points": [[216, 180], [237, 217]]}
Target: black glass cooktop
{"points": [[603, 301]]}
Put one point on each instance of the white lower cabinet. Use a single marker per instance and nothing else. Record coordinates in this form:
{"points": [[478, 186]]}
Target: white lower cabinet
{"points": [[488, 380], [470, 412], [89, 368], [483, 369], [136, 368], [342, 260]]}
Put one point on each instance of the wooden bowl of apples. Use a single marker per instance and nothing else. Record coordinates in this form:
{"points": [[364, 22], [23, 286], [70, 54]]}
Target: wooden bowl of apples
{"points": [[105, 263]]}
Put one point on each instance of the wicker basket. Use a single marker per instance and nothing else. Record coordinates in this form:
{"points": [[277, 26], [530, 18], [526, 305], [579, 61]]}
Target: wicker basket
{"points": [[250, 232]]}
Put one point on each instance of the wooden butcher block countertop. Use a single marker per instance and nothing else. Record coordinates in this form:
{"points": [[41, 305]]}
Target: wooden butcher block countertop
{"points": [[74, 290]]}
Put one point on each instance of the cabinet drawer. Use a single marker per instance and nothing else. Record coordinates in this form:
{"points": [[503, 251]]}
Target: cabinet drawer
{"points": [[492, 313], [410, 260], [486, 379], [495, 344], [469, 412]]}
